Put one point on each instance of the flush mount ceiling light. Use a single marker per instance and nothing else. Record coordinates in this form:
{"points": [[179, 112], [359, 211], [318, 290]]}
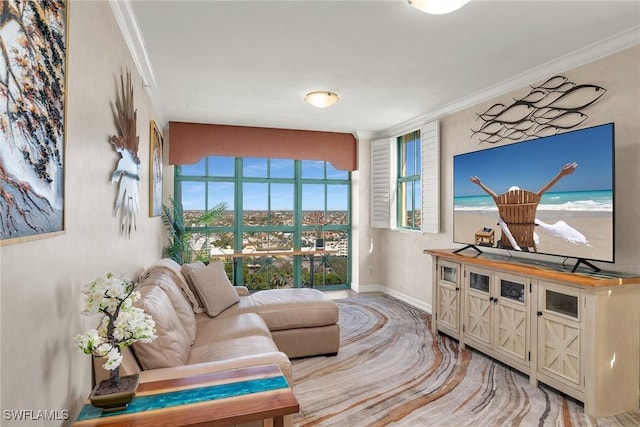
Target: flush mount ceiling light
{"points": [[321, 98], [437, 7]]}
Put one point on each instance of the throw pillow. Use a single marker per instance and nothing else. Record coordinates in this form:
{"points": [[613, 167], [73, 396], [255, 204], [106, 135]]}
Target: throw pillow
{"points": [[173, 268], [186, 270], [214, 288]]}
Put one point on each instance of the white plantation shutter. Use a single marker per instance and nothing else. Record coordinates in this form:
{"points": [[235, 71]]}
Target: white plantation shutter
{"points": [[381, 183], [430, 144]]}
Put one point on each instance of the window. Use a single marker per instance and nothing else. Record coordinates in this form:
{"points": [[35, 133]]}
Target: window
{"points": [[399, 166], [269, 205], [409, 201]]}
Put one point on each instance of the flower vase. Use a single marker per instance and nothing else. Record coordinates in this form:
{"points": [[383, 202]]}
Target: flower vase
{"points": [[112, 397]]}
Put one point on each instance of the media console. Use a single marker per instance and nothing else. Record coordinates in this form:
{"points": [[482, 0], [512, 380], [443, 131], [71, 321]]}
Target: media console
{"points": [[576, 332]]}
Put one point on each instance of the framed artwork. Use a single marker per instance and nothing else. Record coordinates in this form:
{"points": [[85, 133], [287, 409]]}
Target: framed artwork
{"points": [[32, 119], [155, 171]]}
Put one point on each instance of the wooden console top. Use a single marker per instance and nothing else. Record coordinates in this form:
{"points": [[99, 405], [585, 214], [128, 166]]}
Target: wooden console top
{"points": [[541, 269]]}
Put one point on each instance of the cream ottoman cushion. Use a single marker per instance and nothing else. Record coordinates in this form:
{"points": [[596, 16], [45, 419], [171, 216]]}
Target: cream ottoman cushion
{"points": [[295, 308]]}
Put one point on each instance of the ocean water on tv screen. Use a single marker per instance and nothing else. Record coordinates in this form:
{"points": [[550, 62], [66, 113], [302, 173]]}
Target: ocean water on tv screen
{"points": [[570, 201]]}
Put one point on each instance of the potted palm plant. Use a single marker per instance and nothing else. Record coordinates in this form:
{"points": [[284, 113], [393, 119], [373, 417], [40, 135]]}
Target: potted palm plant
{"points": [[180, 245]]}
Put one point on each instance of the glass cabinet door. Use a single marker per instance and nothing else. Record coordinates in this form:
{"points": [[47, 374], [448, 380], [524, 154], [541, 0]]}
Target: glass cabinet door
{"points": [[561, 303], [512, 290], [479, 281], [449, 273]]}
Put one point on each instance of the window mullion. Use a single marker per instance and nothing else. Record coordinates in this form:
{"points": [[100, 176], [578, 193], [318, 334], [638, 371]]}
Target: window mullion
{"points": [[297, 214]]}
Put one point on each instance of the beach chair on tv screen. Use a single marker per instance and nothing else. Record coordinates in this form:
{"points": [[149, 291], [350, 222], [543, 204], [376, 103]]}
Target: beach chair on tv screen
{"points": [[517, 208]]}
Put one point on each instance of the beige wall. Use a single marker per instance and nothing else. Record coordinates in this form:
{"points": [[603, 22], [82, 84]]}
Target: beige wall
{"points": [[42, 279], [399, 264]]}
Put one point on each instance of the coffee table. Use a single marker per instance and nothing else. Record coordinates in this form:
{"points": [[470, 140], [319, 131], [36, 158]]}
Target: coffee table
{"points": [[216, 399]]}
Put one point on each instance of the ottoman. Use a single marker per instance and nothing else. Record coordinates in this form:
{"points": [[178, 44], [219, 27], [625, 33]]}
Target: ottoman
{"points": [[303, 322]]}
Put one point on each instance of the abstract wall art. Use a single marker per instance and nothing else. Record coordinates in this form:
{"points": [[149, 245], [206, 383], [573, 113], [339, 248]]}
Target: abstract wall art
{"points": [[33, 55]]}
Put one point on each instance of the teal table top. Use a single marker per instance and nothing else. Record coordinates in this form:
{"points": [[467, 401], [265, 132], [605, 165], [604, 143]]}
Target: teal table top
{"points": [[189, 396]]}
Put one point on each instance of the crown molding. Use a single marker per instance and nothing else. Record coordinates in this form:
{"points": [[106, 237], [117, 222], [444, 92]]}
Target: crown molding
{"points": [[126, 18], [364, 135], [585, 55]]}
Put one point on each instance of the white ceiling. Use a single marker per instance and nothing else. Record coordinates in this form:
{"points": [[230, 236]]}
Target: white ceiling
{"points": [[251, 63]]}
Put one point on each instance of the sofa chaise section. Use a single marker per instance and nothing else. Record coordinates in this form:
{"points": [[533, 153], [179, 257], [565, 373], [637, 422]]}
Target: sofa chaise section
{"points": [[263, 328]]}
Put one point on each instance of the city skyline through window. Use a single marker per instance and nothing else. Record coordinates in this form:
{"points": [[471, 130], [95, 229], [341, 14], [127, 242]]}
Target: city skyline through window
{"points": [[273, 205]]}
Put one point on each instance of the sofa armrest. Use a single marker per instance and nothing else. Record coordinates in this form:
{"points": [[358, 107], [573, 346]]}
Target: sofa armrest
{"points": [[242, 291]]}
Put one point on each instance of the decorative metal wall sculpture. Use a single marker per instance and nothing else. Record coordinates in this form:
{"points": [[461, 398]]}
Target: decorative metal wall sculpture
{"points": [[32, 118], [548, 109], [127, 170]]}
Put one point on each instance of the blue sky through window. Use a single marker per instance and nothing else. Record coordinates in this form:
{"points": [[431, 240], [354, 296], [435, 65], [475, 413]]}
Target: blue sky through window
{"points": [[255, 196]]}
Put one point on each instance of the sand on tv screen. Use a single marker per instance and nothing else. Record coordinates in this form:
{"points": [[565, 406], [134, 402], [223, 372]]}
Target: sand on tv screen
{"points": [[552, 195]]}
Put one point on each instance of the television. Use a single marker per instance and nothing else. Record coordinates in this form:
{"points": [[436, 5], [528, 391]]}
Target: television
{"points": [[552, 195]]}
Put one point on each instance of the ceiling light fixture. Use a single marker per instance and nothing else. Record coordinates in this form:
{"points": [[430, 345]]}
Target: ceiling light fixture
{"points": [[321, 98], [437, 7]]}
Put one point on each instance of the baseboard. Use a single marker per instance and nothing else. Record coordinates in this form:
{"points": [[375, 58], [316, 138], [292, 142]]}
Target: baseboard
{"points": [[399, 295]]}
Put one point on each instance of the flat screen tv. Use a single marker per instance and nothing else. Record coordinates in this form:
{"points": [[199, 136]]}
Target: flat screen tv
{"points": [[552, 195]]}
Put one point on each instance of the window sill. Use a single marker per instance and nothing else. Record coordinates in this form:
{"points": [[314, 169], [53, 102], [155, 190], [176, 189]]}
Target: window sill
{"points": [[407, 230]]}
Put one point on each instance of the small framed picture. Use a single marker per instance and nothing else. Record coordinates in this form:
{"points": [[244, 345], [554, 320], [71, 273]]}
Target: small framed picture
{"points": [[155, 170]]}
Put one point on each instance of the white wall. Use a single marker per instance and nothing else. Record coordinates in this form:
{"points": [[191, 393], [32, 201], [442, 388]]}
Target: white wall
{"points": [[42, 279], [400, 266]]}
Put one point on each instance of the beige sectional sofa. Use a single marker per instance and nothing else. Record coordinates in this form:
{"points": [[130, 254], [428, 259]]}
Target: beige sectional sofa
{"points": [[204, 324]]}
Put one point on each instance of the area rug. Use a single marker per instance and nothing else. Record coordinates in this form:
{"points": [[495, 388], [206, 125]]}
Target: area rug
{"points": [[390, 370]]}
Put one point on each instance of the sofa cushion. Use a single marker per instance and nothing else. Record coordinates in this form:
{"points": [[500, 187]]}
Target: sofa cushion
{"points": [[165, 280], [295, 308], [214, 288], [175, 270], [246, 305], [186, 269], [232, 348], [172, 345], [227, 327]]}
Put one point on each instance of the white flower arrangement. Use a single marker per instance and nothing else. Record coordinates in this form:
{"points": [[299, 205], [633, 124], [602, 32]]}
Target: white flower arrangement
{"points": [[122, 324]]}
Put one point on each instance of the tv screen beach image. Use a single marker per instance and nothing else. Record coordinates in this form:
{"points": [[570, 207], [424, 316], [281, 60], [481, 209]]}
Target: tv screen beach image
{"points": [[551, 195]]}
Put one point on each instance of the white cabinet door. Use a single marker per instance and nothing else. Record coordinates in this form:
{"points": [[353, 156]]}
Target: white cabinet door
{"points": [[511, 334], [559, 341], [478, 317], [448, 312]]}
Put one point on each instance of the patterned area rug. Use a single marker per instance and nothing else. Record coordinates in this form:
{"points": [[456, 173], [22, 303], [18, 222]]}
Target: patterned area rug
{"points": [[391, 371]]}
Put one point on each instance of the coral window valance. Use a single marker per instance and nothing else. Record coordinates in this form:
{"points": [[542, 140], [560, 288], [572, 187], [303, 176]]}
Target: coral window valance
{"points": [[190, 142]]}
